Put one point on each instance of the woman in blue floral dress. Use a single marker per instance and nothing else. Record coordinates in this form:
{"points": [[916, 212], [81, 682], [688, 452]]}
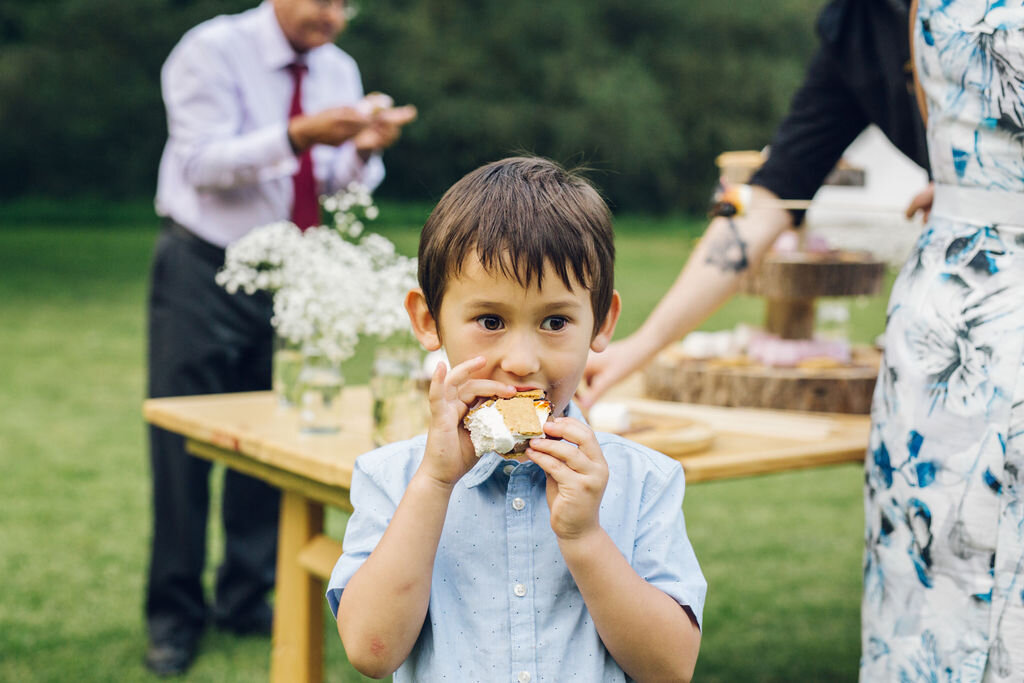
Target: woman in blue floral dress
{"points": [[944, 496]]}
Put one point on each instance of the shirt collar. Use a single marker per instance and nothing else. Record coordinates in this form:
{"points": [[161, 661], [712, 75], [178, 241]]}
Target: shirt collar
{"points": [[483, 469], [277, 51], [489, 462]]}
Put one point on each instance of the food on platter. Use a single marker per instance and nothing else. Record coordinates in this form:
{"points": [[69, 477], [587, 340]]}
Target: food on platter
{"points": [[789, 242], [745, 347], [820, 363], [720, 344], [505, 425], [770, 350], [609, 416]]}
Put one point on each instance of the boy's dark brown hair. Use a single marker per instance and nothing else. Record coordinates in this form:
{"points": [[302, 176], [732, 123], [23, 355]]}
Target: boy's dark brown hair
{"points": [[517, 214]]}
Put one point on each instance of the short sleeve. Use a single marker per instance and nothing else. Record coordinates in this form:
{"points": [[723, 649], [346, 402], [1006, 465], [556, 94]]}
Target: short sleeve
{"points": [[824, 117], [373, 510], [662, 553]]}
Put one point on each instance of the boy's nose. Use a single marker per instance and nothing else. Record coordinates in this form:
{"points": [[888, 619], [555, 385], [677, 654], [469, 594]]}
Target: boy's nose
{"points": [[520, 358]]}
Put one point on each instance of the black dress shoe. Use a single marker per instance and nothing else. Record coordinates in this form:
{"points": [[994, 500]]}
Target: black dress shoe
{"points": [[171, 658], [259, 622]]}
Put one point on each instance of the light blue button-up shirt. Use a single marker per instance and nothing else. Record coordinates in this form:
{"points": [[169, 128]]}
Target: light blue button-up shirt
{"points": [[503, 605]]}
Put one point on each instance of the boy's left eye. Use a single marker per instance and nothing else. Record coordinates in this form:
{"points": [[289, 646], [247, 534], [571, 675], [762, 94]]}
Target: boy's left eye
{"points": [[554, 323]]}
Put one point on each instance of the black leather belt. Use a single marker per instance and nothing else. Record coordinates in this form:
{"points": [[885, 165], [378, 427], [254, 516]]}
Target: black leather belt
{"points": [[207, 250]]}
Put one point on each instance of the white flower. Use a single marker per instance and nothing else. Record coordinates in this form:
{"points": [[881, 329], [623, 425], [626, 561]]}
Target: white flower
{"points": [[328, 288]]}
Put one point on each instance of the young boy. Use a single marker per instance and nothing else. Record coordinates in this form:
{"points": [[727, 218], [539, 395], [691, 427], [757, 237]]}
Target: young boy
{"points": [[569, 561]]}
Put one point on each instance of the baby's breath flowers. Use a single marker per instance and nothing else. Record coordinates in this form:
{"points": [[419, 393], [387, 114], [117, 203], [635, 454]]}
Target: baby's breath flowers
{"points": [[350, 208], [331, 285]]}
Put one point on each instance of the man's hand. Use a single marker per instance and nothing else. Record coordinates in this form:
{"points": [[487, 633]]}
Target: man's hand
{"points": [[384, 129], [375, 137], [450, 453], [328, 127], [922, 202], [577, 476]]}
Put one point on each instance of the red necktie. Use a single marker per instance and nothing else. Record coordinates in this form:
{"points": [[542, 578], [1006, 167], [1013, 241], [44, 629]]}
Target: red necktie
{"points": [[305, 205]]}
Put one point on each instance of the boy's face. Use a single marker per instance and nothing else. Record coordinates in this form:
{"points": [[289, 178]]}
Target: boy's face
{"points": [[532, 338]]}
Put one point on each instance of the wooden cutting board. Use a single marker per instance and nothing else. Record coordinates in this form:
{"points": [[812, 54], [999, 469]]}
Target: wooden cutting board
{"points": [[673, 435]]}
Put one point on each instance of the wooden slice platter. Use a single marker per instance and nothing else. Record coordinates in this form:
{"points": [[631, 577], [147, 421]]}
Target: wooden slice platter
{"points": [[672, 376], [671, 434]]}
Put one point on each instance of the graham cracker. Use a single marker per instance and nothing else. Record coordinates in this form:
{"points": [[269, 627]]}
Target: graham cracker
{"points": [[519, 414], [532, 393]]}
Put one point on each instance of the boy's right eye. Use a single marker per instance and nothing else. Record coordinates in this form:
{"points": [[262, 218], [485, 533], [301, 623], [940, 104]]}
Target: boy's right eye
{"points": [[490, 322]]}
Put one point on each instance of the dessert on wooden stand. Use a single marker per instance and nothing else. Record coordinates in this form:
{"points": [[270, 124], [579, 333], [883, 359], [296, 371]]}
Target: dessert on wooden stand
{"points": [[785, 365]]}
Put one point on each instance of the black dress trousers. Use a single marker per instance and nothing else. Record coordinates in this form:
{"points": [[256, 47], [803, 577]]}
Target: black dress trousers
{"points": [[203, 340]]}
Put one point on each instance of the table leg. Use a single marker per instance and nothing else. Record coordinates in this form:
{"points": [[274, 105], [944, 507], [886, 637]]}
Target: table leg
{"points": [[297, 653]]}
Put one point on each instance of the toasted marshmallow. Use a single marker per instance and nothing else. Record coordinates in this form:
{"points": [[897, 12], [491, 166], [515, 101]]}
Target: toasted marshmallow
{"points": [[505, 425]]}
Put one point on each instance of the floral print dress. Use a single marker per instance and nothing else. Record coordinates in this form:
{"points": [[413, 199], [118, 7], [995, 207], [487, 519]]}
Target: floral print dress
{"points": [[944, 482]]}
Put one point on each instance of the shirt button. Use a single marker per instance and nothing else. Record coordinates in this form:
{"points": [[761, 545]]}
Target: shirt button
{"points": [[524, 677], [519, 589], [508, 469], [518, 503]]}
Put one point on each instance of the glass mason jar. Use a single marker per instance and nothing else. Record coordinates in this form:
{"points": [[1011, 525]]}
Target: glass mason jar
{"points": [[399, 389], [318, 389], [287, 363]]}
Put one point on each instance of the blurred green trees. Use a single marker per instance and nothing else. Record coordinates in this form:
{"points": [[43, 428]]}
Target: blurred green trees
{"points": [[644, 92], [80, 106]]}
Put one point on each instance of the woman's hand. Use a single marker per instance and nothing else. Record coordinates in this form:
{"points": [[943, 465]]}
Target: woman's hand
{"points": [[606, 369], [922, 202]]}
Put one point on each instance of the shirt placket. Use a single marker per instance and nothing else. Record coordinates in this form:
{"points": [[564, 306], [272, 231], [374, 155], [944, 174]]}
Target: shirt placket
{"points": [[522, 587]]}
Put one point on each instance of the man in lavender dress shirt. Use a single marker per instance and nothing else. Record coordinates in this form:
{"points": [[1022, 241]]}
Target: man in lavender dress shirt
{"points": [[228, 167]]}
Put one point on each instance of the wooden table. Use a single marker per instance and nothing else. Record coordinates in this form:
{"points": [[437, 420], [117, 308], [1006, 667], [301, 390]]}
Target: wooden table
{"points": [[250, 433]]}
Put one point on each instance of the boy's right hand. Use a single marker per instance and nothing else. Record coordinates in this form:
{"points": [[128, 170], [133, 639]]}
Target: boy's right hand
{"points": [[450, 453]]}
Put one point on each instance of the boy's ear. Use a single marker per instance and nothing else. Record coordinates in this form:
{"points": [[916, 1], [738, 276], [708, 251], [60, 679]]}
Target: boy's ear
{"points": [[603, 337], [423, 324]]}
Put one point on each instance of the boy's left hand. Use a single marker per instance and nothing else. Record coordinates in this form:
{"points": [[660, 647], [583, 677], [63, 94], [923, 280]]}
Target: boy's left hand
{"points": [[577, 475]]}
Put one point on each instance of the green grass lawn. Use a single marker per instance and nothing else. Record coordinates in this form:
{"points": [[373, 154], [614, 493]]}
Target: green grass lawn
{"points": [[781, 553]]}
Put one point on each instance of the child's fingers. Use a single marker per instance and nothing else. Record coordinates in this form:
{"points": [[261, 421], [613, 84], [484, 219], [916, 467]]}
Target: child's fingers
{"points": [[552, 466], [437, 384], [473, 389], [464, 370], [462, 386], [565, 452], [573, 430]]}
